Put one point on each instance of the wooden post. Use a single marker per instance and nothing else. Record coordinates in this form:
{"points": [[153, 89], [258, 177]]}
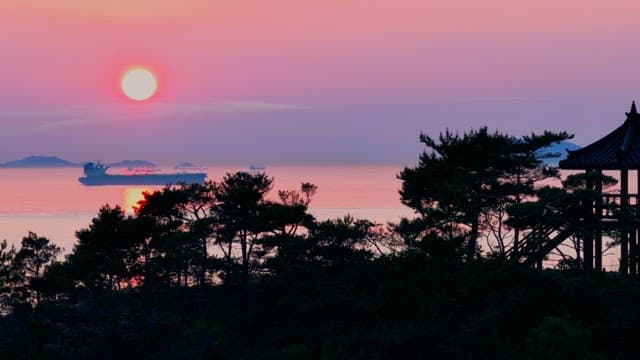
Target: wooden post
{"points": [[633, 253], [598, 220], [587, 247], [635, 243], [624, 201]]}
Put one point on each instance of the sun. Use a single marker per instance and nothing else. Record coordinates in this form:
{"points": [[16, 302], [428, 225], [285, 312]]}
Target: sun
{"points": [[139, 84]]}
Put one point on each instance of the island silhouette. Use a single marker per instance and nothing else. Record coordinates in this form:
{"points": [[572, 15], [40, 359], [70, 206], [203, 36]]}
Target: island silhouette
{"points": [[41, 161]]}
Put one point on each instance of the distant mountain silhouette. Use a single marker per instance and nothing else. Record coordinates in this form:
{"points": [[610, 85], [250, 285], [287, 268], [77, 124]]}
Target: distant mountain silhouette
{"points": [[133, 164], [559, 148], [38, 161]]}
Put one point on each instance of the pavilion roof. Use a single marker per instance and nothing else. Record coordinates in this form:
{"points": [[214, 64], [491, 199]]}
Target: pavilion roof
{"points": [[620, 149]]}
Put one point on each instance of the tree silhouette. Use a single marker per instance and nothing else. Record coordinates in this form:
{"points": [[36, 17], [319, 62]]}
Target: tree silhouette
{"points": [[7, 275], [35, 255], [180, 217], [250, 228], [107, 253], [285, 245], [238, 213], [464, 179], [341, 240], [519, 183]]}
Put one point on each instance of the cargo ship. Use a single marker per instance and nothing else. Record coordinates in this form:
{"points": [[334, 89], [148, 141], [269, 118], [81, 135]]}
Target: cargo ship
{"points": [[95, 174]]}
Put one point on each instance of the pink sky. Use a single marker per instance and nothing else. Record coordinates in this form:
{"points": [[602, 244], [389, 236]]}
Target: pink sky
{"points": [[290, 81]]}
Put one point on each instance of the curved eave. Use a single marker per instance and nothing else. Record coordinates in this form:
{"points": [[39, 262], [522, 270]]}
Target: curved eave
{"points": [[606, 153], [565, 166]]}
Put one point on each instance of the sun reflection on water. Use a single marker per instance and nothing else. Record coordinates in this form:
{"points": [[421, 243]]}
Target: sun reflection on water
{"points": [[131, 198]]}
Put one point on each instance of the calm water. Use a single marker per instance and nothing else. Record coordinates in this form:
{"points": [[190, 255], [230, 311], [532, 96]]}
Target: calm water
{"points": [[52, 203]]}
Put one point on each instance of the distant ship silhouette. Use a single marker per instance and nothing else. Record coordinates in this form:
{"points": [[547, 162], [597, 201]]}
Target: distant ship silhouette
{"points": [[254, 167], [96, 175]]}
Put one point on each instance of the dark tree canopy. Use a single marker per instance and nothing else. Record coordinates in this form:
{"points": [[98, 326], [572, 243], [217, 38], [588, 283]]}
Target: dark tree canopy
{"points": [[105, 255], [36, 253], [228, 269], [462, 179]]}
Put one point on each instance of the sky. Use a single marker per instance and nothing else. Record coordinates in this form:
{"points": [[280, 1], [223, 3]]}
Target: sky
{"points": [[306, 82]]}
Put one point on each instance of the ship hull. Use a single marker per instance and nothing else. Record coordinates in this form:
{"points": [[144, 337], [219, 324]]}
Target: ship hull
{"points": [[148, 179]]}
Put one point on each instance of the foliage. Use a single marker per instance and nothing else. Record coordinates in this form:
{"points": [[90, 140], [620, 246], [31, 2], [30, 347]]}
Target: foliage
{"points": [[401, 306], [248, 227], [225, 270], [558, 338], [179, 240], [105, 256], [463, 185], [36, 254], [7, 275]]}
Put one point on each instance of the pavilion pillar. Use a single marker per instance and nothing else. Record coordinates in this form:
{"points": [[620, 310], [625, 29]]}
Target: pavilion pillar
{"points": [[598, 222], [624, 239], [633, 253], [633, 246], [635, 239], [587, 241]]}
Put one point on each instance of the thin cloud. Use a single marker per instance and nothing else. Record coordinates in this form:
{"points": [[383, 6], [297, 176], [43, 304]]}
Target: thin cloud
{"points": [[53, 112], [29, 121], [232, 106]]}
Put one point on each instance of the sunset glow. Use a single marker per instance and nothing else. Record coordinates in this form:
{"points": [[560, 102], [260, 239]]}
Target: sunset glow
{"points": [[131, 198], [300, 179], [139, 84], [314, 85]]}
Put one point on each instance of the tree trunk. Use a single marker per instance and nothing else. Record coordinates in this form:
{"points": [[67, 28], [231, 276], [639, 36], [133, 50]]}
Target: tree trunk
{"points": [[203, 267], [245, 259], [229, 259], [147, 264], [516, 229], [475, 227], [473, 240]]}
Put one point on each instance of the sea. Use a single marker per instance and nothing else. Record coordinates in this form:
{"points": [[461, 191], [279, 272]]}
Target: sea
{"points": [[52, 203]]}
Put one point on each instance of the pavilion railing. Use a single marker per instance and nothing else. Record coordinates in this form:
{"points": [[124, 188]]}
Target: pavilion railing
{"points": [[613, 202]]}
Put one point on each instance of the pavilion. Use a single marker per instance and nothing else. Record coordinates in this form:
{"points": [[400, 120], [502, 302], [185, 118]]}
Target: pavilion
{"points": [[617, 151]]}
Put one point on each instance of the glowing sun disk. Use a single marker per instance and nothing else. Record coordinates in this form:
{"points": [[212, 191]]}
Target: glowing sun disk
{"points": [[139, 84]]}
